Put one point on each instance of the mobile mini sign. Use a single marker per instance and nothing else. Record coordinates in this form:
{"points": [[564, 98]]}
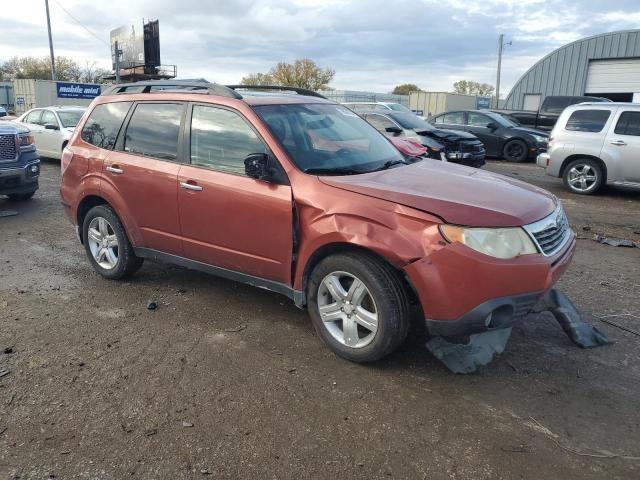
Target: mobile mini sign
{"points": [[77, 90]]}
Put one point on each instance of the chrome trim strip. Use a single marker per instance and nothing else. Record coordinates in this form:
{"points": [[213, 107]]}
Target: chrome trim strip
{"points": [[555, 219]]}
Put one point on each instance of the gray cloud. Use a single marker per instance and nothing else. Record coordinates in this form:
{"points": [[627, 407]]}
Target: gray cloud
{"points": [[372, 44]]}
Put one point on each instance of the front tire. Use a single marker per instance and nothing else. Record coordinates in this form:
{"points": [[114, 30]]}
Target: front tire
{"points": [[515, 151], [583, 176], [358, 306], [107, 245]]}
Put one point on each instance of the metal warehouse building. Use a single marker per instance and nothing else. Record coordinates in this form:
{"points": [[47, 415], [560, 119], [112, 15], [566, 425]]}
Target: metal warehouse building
{"points": [[606, 65]]}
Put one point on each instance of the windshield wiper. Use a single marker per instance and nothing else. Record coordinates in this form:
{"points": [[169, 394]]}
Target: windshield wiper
{"points": [[390, 164], [332, 171]]}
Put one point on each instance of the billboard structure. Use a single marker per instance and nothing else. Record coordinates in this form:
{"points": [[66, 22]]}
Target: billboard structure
{"points": [[139, 48]]}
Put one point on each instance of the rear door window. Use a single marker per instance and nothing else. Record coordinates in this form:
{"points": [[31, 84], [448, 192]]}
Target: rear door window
{"points": [[478, 120], [454, 118], [587, 120], [154, 129], [628, 124], [33, 117], [222, 139], [104, 122]]}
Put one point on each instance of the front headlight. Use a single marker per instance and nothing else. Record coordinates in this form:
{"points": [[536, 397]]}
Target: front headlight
{"points": [[496, 242], [26, 140], [540, 139]]}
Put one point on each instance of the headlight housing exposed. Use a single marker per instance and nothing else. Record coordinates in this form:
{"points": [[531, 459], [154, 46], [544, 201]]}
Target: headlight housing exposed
{"points": [[502, 243], [25, 140], [540, 139]]}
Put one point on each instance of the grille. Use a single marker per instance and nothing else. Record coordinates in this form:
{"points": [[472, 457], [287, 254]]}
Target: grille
{"points": [[8, 148], [470, 147], [551, 233]]}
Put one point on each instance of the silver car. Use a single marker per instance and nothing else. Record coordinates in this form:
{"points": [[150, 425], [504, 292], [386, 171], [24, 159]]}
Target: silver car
{"points": [[594, 144]]}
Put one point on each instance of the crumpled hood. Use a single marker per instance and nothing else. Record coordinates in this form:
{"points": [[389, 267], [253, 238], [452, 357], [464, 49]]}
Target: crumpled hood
{"points": [[448, 135], [457, 194]]}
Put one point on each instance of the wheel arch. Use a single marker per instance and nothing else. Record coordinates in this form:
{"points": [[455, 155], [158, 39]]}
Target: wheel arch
{"points": [[86, 204], [578, 156], [334, 248]]}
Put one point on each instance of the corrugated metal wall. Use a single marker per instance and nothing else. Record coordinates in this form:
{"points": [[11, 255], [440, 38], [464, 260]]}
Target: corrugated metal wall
{"points": [[564, 71], [340, 96], [40, 93]]}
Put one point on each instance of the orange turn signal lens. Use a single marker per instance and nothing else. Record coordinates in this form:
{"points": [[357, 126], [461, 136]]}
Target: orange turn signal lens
{"points": [[26, 140], [452, 233]]}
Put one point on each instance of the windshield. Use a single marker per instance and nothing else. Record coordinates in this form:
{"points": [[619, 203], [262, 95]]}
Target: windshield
{"points": [[327, 138], [410, 121], [70, 118], [399, 108], [502, 119]]}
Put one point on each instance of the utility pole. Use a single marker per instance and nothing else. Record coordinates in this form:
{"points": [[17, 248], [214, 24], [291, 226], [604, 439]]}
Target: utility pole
{"points": [[117, 53], [53, 58], [500, 45]]}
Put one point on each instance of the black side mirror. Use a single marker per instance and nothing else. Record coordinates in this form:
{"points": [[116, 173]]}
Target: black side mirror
{"points": [[492, 126], [394, 130], [51, 126], [256, 166]]}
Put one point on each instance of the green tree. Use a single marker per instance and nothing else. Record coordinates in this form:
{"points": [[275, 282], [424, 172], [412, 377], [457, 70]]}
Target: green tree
{"points": [[469, 87], [257, 79], [67, 70], [303, 73], [405, 89]]}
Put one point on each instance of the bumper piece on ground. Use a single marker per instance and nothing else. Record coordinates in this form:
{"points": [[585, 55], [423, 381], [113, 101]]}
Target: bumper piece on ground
{"points": [[467, 357], [581, 333], [482, 347]]}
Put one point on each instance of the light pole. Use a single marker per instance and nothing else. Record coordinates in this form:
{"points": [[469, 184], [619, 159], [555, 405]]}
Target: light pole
{"points": [[53, 58], [500, 45]]}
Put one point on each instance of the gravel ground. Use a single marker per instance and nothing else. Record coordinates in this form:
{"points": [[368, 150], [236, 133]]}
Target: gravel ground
{"points": [[227, 381]]}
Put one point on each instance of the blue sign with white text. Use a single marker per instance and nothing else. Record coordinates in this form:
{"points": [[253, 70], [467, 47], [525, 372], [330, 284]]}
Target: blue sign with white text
{"points": [[483, 103], [77, 90]]}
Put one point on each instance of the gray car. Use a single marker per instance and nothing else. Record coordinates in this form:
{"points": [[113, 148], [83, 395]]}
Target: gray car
{"points": [[595, 144]]}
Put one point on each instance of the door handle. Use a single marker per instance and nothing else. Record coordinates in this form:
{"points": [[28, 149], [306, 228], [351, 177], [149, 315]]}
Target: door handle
{"points": [[618, 143], [190, 186], [114, 169]]}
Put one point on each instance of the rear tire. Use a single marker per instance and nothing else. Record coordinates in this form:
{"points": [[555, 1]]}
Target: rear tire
{"points": [[344, 318], [583, 176], [515, 151], [107, 245]]}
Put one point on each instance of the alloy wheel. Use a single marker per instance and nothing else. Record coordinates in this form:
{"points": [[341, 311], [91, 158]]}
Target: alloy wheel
{"points": [[103, 243], [347, 309], [582, 177]]}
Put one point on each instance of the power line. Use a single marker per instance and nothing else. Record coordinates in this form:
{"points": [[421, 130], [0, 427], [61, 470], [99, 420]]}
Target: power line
{"points": [[81, 24]]}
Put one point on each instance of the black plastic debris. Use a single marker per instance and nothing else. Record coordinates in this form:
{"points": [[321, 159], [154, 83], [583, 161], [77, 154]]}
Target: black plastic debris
{"points": [[615, 242], [151, 305], [580, 332], [467, 357]]}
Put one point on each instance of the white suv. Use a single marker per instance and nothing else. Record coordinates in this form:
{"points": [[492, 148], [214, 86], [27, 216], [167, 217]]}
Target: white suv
{"points": [[593, 144]]}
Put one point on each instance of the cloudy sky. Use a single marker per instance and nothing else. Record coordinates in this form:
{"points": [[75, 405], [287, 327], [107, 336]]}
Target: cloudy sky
{"points": [[372, 44]]}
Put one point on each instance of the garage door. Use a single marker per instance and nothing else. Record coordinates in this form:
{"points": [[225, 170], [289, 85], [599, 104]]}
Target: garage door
{"points": [[613, 76]]}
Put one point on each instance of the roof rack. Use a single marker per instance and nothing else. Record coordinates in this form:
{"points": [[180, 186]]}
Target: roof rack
{"points": [[172, 86], [299, 91]]}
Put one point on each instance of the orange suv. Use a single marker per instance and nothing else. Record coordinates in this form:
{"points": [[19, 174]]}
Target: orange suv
{"points": [[282, 189]]}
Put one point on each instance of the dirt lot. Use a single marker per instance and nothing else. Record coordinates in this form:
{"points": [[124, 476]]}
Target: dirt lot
{"points": [[227, 381]]}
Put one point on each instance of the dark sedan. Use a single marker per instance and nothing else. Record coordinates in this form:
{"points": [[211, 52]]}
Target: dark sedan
{"points": [[502, 137], [447, 145]]}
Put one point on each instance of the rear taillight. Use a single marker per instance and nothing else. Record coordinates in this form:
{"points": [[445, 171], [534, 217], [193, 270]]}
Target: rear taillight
{"points": [[65, 161]]}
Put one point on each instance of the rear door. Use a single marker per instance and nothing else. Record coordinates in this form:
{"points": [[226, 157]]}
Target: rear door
{"points": [[623, 143], [477, 125], [228, 219], [48, 140], [143, 168], [452, 121]]}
